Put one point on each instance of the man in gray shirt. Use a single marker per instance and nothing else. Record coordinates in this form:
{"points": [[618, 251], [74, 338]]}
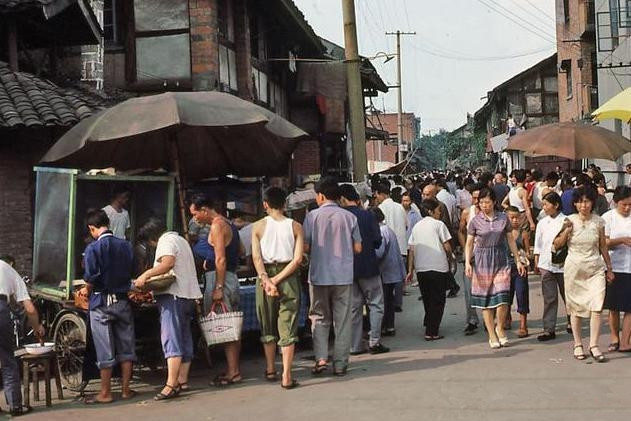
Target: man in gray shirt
{"points": [[332, 238]]}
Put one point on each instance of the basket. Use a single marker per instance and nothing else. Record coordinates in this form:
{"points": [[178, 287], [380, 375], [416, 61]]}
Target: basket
{"points": [[160, 282], [219, 328]]}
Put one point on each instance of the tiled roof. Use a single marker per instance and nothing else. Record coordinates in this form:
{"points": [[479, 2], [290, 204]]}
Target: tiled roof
{"points": [[27, 101]]}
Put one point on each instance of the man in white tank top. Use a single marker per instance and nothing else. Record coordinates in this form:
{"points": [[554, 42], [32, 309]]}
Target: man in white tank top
{"points": [[467, 215], [518, 197], [277, 247]]}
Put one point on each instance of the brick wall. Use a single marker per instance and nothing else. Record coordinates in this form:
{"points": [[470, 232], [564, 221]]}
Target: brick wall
{"points": [[204, 52], [388, 152], [307, 158], [16, 221], [572, 106], [390, 124]]}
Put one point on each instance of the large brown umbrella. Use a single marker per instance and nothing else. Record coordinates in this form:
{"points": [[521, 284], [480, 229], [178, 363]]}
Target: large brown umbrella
{"points": [[571, 140], [195, 134]]}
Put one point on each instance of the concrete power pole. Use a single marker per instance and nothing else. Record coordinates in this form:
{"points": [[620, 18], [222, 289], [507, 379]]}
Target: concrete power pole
{"points": [[355, 92], [399, 96]]}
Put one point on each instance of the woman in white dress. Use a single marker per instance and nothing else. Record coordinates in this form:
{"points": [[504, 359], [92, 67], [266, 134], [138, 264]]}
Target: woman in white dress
{"points": [[585, 274]]}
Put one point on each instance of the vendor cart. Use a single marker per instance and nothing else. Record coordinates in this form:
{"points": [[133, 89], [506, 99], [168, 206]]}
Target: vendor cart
{"points": [[62, 199]]}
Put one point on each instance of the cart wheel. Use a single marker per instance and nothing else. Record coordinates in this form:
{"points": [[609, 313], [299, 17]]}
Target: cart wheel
{"points": [[70, 342]]}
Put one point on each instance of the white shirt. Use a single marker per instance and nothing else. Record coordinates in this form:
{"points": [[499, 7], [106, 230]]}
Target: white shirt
{"points": [[11, 283], [450, 202], [119, 221], [463, 199], [396, 219], [428, 238], [547, 230], [185, 285], [278, 241], [245, 235], [617, 226]]}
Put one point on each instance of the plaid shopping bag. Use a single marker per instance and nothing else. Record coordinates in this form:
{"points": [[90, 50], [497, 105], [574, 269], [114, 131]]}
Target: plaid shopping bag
{"points": [[219, 328]]}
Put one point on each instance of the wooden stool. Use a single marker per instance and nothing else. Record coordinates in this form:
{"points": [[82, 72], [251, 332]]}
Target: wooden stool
{"points": [[32, 366]]}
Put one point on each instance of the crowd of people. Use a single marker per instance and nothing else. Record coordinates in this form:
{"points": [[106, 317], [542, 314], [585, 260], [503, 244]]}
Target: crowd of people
{"points": [[364, 253]]}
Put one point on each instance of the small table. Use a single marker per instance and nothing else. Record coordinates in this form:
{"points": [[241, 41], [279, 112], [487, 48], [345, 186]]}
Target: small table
{"points": [[34, 364]]}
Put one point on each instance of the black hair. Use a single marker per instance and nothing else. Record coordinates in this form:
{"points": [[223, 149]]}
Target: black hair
{"points": [[396, 194], [349, 192], [428, 206], [328, 187], [552, 176], [275, 197], [486, 192], [200, 200], [152, 230], [441, 183], [477, 187], [582, 179], [566, 182], [486, 178], [379, 216], [512, 209], [520, 175], [119, 189], [584, 191], [536, 175], [8, 259], [97, 218], [382, 187], [554, 199], [621, 193]]}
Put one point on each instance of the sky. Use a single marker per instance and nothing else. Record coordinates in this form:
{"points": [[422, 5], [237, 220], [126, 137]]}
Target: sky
{"points": [[462, 48]]}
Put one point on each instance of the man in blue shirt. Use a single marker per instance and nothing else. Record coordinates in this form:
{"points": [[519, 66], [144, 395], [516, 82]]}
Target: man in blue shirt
{"points": [[108, 263], [332, 237], [367, 288]]}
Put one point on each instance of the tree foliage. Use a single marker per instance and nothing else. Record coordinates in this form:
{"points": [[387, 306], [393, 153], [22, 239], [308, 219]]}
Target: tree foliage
{"points": [[445, 149]]}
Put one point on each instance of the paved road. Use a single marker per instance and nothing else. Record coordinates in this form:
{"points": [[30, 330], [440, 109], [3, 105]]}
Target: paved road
{"points": [[458, 378]]}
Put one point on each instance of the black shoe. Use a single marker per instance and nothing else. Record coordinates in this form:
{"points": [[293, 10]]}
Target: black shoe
{"points": [[378, 349], [398, 309], [546, 336], [23, 410], [453, 292], [420, 298], [389, 332], [470, 329], [363, 351], [568, 329]]}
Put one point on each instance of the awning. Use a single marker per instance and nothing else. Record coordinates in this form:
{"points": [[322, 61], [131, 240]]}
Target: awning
{"points": [[618, 107], [499, 142]]}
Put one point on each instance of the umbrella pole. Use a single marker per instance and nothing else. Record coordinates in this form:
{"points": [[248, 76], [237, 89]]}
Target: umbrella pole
{"points": [[179, 185]]}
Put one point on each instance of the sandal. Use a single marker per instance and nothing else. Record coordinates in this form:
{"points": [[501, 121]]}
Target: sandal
{"points": [[173, 393], [613, 347], [222, 380], [522, 333], [319, 369], [92, 400], [184, 387], [22, 410], [580, 356], [271, 376], [294, 384], [600, 358], [434, 338]]}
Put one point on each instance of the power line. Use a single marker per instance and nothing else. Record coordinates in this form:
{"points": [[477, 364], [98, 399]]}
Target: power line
{"points": [[543, 12], [536, 16], [487, 58], [509, 17], [407, 14], [543, 31]]}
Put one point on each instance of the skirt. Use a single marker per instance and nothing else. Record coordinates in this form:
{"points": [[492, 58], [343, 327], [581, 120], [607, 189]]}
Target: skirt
{"points": [[490, 283], [618, 293], [584, 287]]}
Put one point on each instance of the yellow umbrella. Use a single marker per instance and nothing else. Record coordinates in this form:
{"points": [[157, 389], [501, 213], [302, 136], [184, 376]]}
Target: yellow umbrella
{"points": [[618, 107]]}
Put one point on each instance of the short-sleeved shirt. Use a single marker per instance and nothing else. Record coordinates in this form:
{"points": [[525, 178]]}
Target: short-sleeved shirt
{"points": [[11, 283], [330, 232], [489, 232], [547, 230], [119, 221], [617, 226], [396, 219], [427, 239], [186, 284]]}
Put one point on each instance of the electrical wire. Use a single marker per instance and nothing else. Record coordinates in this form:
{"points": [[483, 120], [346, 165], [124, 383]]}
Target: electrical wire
{"points": [[511, 13], [536, 16], [543, 12], [509, 17], [487, 58], [407, 14]]}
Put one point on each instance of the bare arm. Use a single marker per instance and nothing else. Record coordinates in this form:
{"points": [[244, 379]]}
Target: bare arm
{"points": [[257, 257], [165, 264], [604, 252], [506, 202], [513, 248], [616, 242], [297, 260], [468, 255], [448, 251], [357, 248], [33, 318], [526, 200], [218, 240], [563, 237], [462, 228], [526, 237]]}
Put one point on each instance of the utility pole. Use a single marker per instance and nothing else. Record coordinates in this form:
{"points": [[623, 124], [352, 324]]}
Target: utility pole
{"points": [[399, 97], [355, 92]]}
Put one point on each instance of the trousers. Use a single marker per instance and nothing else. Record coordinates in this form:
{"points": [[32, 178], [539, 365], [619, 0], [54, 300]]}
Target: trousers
{"points": [[550, 283], [10, 372], [519, 287], [433, 286], [367, 291], [331, 305], [388, 305]]}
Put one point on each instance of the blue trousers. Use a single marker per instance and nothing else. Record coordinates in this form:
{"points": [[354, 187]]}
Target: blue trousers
{"points": [[113, 333], [519, 287], [10, 373], [176, 315]]}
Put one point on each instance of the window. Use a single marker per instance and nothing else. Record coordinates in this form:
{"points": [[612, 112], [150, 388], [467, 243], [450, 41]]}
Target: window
{"points": [[259, 81], [162, 42], [533, 104], [258, 46], [111, 22], [566, 10], [225, 20], [570, 87], [566, 67], [227, 69]]}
